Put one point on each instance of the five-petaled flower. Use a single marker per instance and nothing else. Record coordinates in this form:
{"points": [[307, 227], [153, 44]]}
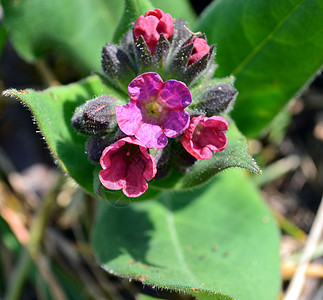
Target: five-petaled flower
{"points": [[205, 134], [155, 110], [152, 25], [200, 48], [127, 165]]}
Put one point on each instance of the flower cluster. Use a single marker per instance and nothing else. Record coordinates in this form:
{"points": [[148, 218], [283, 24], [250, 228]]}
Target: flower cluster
{"points": [[166, 72]]}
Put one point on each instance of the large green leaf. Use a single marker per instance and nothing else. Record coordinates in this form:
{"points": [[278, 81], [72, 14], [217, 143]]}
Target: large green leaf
{"points": [[214, 241], [273, 48], [75, 28]]}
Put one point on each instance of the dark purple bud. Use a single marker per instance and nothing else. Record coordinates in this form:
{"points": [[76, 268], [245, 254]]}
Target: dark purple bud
{"points": [[215, 99], [162, 157], [128, 43], [96, 115], [95, 146], [181, 159], [181, 34], [117, 66]]}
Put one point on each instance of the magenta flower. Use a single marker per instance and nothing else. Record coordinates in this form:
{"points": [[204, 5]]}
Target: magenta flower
{"points": [[205, 134], [152, 25], [200, 48], [155, 110], [127, 165]]}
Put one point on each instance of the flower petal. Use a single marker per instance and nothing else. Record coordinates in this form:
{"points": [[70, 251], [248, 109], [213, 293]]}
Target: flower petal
{"points": [[128, 117], [144, 86], [114, 178], [176, 123], [151, 166], [152, 136], [176, 94]]}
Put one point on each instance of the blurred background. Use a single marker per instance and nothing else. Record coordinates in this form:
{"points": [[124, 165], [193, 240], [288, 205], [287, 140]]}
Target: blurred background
{"points": [[289, 152]]}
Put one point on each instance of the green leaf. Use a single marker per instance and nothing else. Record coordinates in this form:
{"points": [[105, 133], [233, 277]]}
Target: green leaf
{"points": [[178, 9], [235, 155], [273, 48], [77, 29], [214, 241], [53, 110], [133, 9], [3, 38]]}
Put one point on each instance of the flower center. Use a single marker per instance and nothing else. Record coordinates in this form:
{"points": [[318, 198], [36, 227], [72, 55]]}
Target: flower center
{"points": [[154, 109]]}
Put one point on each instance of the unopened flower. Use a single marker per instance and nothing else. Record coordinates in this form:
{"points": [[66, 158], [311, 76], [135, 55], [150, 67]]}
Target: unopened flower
{"points": [[205, 134], [155, 110], [200, 48], [152, 25], [127, 165], [96, 115]]}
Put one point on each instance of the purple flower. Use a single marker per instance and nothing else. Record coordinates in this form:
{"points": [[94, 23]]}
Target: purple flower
{"points": [[155, 110], [127, 165]]}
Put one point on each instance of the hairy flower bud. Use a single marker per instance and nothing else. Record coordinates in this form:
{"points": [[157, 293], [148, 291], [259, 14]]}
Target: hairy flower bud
{"points": [[96, 115], [95, 146], [117, 66], [215, 99], [200, 48], [152, 25]]}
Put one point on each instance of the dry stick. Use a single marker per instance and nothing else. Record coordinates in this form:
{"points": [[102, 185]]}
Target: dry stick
{"points": [[295, 287], [313, 270]]}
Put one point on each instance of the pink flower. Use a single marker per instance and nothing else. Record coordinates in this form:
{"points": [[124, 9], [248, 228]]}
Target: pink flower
{"points": [[200, 48], [152, 25], [205, 134], [155, 110], [127, 165]]}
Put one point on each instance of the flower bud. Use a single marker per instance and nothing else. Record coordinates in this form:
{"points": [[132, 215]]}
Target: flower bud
{"points": [[117, 66], [95, 116], [152, 25], [200, 48], [95, 146], [191, 58], [215, 99]]}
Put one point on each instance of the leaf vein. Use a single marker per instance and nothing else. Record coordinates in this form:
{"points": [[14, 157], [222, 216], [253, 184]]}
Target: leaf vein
{"points": [[257, 49]]}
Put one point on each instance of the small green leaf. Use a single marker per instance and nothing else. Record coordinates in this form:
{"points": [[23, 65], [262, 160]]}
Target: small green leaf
{"points": [[53, 110], [216, 242], [273, 48], [132, 10], [77, 29]]}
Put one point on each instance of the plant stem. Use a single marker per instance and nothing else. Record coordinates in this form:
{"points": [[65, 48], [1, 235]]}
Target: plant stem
{"points": [[32, 249], [19, 276]]}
